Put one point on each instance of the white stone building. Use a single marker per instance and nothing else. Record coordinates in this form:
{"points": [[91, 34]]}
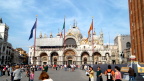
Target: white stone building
{"points": [[78, 50], [7, 53], [124, 44]]}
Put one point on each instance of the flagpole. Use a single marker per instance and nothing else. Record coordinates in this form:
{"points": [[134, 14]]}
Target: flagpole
{"points": [[35, 42], [64, 36], [92, 37]]}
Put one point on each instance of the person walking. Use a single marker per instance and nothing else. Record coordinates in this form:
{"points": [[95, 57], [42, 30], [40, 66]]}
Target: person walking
{"points": [[65, 67], [17, 73], [45, 68], [99, 74], [109, 73], [91, 74], [117, 74], [44, 76], [4, 69], [32, 76], [131, 74]]}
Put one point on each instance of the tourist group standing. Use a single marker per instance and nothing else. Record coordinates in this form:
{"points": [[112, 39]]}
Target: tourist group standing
{"points": [[109, 73]]}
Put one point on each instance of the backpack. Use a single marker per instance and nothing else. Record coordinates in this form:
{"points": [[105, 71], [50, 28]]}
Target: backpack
{"points": [[109, 75]]}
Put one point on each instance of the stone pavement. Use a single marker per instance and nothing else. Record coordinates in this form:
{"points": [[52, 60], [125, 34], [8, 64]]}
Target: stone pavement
{"points": [[59, 75]]}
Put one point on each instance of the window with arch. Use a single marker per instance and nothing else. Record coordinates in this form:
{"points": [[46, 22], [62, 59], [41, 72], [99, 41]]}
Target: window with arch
{"points": [[128, 45]]}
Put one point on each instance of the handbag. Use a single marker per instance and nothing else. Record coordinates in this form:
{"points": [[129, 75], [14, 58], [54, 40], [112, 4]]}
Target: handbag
{"points": [[87, 74]]}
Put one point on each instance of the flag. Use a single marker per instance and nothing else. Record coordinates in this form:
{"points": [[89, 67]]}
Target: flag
{"points": [[63, 25], [34, 27], [91, 28]]}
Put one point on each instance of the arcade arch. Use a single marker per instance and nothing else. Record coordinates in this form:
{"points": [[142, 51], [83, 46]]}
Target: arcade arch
{"points": [[54, 57], [84, 58], [43, 58], [69, 57], [96, 57]]}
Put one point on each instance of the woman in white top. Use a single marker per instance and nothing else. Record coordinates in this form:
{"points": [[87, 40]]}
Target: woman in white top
{"points": [[44, 76]]}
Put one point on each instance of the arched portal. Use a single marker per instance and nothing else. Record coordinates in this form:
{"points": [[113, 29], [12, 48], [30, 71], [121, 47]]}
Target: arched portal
{"points": [[43, 58], [54, 57], [96, 57], [69, 57], [84, 57]]}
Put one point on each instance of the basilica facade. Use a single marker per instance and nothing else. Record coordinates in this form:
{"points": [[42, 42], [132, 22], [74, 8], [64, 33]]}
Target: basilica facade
{"points": [[76, 49]]}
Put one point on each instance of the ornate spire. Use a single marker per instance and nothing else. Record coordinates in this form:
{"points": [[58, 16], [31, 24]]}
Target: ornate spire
{"points": [[74, 24], [58, 33], [45, 36], [40, 36], [101, 31], [51, 36]]}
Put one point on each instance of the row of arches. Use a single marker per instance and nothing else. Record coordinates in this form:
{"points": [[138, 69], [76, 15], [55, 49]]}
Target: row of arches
{"points": [[69, 57]]}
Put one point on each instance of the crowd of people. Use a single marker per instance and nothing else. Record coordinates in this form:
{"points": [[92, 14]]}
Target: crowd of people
{"points": [[109, 73], [15, 72]]}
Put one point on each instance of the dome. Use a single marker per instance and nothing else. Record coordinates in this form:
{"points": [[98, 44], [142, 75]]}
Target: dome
{"points": [[95, 37], [74, 31]]}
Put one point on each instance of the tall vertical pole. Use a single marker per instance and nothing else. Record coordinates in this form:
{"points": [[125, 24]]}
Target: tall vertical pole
{"points": [[34, 60], [64, 37], [92, 39]]}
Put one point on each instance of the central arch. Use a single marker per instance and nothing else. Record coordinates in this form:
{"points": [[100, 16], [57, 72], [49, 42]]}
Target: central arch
{"points": [[69, 57], [96, 57]]}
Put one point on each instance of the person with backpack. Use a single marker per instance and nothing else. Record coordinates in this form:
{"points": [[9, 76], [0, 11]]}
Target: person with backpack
{"points": [[117, 74], [109, 73]]}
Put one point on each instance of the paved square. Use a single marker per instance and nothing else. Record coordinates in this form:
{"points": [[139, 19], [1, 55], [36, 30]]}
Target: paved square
{"points": [[58, 75]]}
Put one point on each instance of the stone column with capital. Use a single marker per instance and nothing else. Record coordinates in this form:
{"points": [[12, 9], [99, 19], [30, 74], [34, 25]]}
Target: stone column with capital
{"points": [[49, 59], [90, 60]]}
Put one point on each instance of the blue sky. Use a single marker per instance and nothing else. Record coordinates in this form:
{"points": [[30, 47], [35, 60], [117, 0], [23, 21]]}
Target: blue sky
{"points": [[109, 15]]}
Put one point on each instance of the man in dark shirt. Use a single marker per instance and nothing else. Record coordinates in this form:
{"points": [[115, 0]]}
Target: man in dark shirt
{"points": [[45, 68], [131, 74]]}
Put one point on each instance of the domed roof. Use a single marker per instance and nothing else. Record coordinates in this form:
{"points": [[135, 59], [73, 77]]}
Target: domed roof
{"points": [[74, 31], [95, 37]]}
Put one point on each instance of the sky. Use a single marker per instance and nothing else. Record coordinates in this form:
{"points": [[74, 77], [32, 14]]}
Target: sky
{"points": [[110, 16]]}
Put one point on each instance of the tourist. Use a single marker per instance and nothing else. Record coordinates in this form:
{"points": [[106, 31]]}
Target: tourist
{"points": [[44, 76], [45, 68], [109, 73], [69, 67], [32, 76], [12, 68], [91, 74], [8, 70], [4, 69], [131, 74], [17, 73], [85, 67], [99, 74], [65, 67], [117, 74]]}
